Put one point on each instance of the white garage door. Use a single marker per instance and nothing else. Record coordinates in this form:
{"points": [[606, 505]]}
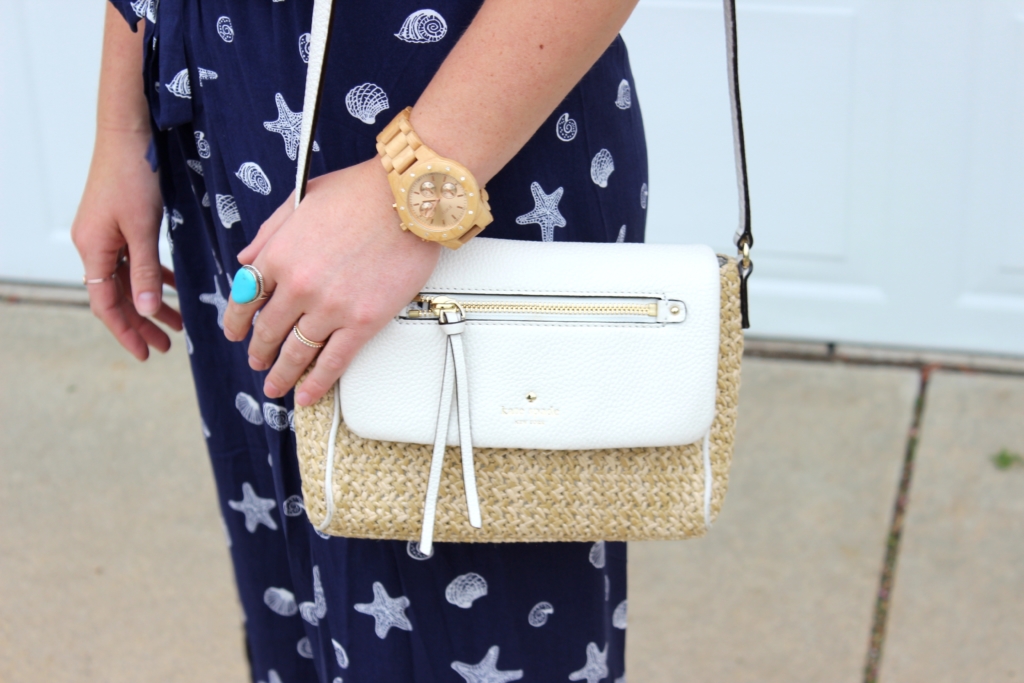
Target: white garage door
{"points": [[886, 145]]}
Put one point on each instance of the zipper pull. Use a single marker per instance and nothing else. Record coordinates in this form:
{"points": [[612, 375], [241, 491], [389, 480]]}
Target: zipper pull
{"points": [[450, 314]]}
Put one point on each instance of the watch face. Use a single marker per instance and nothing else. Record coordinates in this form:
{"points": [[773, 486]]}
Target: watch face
{"points": [[437, 201]]}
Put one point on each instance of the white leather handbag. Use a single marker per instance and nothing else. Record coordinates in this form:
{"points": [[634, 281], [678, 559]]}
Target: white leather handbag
{"points": [[537, 391]]}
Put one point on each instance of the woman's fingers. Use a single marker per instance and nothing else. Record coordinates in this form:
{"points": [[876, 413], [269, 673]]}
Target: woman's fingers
{"points": [[293, 360], [266, 231], [330, 365], [105, 300], [146, 272], [170, 317], [145, 328], [167, 276], [270, 330], [238, 317]]}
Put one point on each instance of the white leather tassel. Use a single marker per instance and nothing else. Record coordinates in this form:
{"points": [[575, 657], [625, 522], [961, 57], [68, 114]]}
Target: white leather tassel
{"points": [[454, 386]]}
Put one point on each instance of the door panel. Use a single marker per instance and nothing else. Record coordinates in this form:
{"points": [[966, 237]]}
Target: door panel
{"points": [[885, 156]]}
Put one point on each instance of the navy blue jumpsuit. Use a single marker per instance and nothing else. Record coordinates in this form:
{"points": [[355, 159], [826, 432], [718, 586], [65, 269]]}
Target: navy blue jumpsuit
{"points": [[224, 80]]}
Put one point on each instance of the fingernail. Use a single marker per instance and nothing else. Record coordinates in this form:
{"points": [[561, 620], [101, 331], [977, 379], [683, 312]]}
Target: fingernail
{"points": [[303, 399], [270, 390], [147, 303], [256, 364]]}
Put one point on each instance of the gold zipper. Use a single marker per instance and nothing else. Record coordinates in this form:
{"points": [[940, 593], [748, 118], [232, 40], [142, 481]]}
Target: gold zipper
{"points": [[440, 304]]}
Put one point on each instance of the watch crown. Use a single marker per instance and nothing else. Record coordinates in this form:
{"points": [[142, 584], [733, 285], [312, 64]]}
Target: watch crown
{"points": [[394, 206]]}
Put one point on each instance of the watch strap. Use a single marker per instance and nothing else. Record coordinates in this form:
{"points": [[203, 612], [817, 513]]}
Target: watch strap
{"points": [[399, 148]]}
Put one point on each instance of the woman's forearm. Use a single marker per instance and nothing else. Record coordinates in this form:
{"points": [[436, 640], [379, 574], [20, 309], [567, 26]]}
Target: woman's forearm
{"points": [[122, 105], [511, 68]]}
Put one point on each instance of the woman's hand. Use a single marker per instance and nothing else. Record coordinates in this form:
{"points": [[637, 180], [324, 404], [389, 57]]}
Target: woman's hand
{"points": [[120, 213], [340, 267]]}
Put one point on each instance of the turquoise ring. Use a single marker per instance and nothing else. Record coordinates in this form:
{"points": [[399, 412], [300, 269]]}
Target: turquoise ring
{"points": [[247, 286]]}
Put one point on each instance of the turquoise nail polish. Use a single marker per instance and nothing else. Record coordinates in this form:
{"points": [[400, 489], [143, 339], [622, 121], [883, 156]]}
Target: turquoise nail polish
{"points": [[244, 288]]}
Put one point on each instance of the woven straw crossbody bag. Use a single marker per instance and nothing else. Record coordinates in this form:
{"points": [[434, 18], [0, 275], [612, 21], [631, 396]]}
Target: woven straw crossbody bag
{"points": [[537, 391]]}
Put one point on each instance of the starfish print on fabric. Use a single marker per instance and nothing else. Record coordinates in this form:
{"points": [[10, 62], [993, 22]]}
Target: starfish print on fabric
{"points": [[487, 670], [545, 212], [256, 509], [288, 125], [387, 611], [596, 668], [217, 299]]}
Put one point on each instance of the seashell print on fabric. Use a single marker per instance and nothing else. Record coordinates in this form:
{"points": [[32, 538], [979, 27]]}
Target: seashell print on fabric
{"points": [[145, 9], [190, 349], [195, 165], [619, 615], [340, 654], [291, 420], [624, 98], [319, 601], [174, 219], [202, 145], [304, 40], [293, 506], [643, 196], [225, 30], [253, 177], [249, 408], [539, 614], [304, 648], [180, 85], [607, 588], [423, 26], [227, 210], [206, 430], [463, 590], [275, 416], [273, 677], [308, 612], [366, 101], [601, 167], [206, 75], [280, 601], [205, 200], [622, 235], [566, 128], [413, 549], [597, 555]]}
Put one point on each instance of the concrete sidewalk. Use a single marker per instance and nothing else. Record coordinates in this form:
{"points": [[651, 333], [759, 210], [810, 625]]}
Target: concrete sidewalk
{"points": [[113, 565]]}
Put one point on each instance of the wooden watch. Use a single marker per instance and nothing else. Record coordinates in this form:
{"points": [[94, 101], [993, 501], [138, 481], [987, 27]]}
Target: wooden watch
{"points": [[436, 198]]}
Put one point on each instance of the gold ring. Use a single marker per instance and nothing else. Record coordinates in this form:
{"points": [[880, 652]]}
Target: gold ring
{"points": [[308, 342], [121, 260]]}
